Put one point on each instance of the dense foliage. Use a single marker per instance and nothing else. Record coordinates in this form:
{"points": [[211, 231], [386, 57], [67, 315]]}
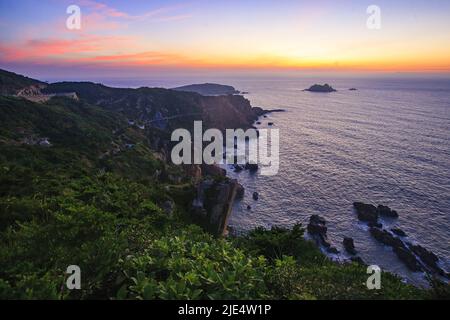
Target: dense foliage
{"points": [[89, 200]]}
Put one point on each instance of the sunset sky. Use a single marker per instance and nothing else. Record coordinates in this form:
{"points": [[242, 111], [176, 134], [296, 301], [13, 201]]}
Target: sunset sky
{"points": [[139, 36]]}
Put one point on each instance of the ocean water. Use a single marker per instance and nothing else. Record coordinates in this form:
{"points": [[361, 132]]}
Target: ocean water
{"points": [[387, 143]]}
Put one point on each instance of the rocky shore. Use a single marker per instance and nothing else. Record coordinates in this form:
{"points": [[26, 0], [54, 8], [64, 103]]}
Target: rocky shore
{"points": [[414, 256]]}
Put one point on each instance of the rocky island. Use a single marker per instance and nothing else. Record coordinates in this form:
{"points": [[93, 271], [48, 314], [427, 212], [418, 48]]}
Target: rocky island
{"points": [[321, 88]]}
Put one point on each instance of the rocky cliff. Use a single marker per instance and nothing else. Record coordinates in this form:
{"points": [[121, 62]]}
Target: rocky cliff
{"points": [[213, 204], [228, 112]]}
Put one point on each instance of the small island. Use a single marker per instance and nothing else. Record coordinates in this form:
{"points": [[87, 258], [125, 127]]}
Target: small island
{"points": [[321, 88], [209, 89]]}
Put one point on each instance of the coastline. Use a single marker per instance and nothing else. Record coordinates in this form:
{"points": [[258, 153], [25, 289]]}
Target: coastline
{"points": [[407, 259], [127, 206]]}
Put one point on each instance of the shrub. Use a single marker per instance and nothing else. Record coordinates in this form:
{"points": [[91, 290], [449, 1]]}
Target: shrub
{"points": [[193, 265]]}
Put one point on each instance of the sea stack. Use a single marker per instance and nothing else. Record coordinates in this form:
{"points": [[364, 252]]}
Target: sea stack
{"points": [[321, 88]]}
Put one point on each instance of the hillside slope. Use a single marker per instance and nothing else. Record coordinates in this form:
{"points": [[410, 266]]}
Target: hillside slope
{"points": [[80, 185], [146, 105], [208, 89], [11, 83]]}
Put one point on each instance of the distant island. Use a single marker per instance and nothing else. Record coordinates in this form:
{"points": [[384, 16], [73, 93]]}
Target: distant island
{"points": [[209, 89], [321, 88]]}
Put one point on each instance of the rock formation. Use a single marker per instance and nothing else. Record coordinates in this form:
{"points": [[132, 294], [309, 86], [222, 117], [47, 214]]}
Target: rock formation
{"points": [[318, 230], [414, 256], [321, 88], [213, 204], [369, 213], [252, 167], [349, 245], [398, 232], [386, 211], [366, 212], [240, 192]]}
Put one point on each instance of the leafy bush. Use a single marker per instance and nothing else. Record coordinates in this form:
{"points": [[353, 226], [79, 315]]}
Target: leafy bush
{"points": [[279, 242], [193, 265]]}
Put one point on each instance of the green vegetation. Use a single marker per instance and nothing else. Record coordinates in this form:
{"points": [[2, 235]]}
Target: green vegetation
{"points": [[89, 200], [142, 103], [10, 82]]}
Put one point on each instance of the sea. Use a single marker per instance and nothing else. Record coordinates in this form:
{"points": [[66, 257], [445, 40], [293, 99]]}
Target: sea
{"points": [[388, 142]]}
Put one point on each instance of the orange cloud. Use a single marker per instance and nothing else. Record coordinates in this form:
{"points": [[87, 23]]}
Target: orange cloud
{"points": [[102, 52], [143, 58]]}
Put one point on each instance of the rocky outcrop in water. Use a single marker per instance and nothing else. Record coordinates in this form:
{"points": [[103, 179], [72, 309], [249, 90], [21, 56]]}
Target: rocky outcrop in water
{"points": [[252, 167], [385, 237], [385, 211], [318, 230], [349, 245], [408, 258], [427, 257], [414, 256], [366, 212], [317, 225], [240, 192], [400, 249], [321, 88], [398, 232], [369, 213]]}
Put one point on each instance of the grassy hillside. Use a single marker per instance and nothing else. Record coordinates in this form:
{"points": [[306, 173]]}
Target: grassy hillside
{"points": [[11, 82], [136, 104], [96, 196], [144, 105]]}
